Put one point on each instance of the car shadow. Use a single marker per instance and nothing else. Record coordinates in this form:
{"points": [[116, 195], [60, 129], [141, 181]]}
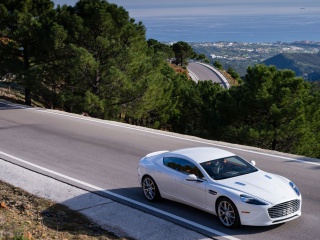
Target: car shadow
{"points": [[114, 210]]}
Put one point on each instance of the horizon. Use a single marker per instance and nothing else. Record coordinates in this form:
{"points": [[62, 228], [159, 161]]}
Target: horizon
{"points": [[212, 21]]}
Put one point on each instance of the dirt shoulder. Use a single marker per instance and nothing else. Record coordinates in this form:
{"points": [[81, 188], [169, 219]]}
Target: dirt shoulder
{"points": [[25, 216]]}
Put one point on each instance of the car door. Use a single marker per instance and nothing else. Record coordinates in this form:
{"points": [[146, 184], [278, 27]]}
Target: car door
{"points": [[191, 192], [166, 176]]}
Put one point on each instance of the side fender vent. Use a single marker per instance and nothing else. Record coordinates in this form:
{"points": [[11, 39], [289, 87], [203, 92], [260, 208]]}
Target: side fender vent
{"points": [[212, 192], [240, 183]]}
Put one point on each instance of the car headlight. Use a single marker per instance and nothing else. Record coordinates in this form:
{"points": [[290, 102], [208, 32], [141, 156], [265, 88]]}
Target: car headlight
{"points": [[295, 188], [252, 200]]}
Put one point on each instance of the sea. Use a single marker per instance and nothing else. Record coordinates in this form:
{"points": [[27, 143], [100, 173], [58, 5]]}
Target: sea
{"points": [[227, 20], [246, 28]]}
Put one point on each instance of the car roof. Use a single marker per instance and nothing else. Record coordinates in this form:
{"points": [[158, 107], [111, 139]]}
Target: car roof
{"points": [[203, 154]]}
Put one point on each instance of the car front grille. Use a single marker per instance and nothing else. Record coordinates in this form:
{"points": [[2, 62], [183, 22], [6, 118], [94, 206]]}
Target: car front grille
{"points": [[284, 209]]}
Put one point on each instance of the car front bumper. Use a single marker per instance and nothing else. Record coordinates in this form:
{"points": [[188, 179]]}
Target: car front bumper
{"points": [[260, 215]]}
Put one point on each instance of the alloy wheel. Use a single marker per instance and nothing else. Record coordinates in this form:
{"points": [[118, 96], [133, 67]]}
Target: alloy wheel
{"points": [[228, 214], [149, 188]]}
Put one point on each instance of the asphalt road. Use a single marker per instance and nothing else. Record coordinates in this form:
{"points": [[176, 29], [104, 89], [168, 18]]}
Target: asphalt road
{"points": [[202, 73], [106, 154]]}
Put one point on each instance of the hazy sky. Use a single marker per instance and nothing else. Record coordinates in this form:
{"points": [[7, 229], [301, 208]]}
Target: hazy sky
{"points": [[160, 8]]}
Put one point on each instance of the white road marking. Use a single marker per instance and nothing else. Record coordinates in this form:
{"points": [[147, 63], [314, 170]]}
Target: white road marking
{"points": [[161, 134], [210, 230]]}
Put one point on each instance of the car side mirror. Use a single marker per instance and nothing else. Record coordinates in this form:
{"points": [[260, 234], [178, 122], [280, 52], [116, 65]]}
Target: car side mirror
{"points": [[191, 177], [253, 162]]}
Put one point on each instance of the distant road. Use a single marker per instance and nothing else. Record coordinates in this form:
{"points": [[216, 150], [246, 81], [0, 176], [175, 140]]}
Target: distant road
{"points": [[199, 72]]}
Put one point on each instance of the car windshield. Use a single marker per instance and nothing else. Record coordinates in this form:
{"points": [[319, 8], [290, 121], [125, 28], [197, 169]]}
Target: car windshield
{"points": [[227, 167]]}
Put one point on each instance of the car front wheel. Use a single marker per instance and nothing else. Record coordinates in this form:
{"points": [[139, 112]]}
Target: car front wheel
{"points": [[228, 213], [150, 189]]}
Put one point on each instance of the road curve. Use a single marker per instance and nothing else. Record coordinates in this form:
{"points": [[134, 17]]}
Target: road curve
{"points": [[200, 71], [106, 154]]}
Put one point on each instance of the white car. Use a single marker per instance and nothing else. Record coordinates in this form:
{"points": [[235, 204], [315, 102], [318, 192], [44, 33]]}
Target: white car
{"points": [[221, 183]]}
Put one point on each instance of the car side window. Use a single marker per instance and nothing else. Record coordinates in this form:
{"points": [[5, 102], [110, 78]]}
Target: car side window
{"points": [[182, 165]]}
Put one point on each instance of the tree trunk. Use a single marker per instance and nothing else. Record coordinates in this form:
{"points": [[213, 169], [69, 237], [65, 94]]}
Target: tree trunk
{"points": [[274, 144], [27, 98], [96, 82], [27, 90]]}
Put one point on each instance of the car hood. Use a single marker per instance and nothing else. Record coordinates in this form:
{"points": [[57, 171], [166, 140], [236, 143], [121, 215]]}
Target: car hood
{"points": [[269, 187]]}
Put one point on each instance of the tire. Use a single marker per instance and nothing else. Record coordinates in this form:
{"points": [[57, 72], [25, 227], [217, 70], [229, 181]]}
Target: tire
{"points": [[150, 189], [228, 213]]}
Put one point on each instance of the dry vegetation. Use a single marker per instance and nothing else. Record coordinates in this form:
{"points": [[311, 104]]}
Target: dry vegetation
{"points": [[12, 95], [15, 96], [24, 216], [231, 80], [179, 69]]}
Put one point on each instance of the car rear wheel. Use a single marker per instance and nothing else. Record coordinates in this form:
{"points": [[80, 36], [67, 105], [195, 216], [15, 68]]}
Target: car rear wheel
{"points": [[150, 189], [228, 213]]}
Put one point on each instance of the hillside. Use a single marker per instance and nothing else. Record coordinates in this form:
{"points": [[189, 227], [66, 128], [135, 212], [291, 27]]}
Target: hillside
{"points": [[239, 55], [306, 65]]}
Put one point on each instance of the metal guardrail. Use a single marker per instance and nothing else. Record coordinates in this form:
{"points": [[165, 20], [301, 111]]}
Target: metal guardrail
{"points": [[193, 76], [223, 79]]}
